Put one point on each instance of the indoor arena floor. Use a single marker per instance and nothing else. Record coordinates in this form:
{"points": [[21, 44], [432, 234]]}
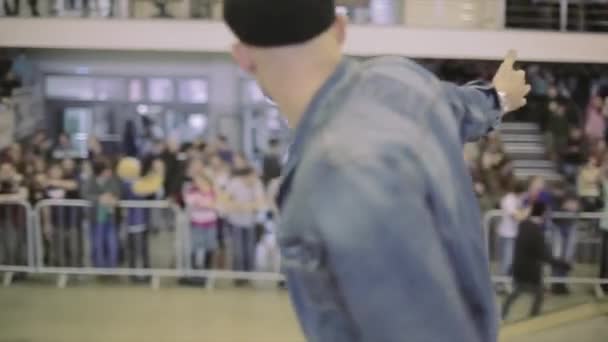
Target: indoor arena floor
{"points": [[37, 311]]}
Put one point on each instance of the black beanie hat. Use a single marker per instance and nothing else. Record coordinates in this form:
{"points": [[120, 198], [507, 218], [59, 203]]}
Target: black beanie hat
{"points": [[273, 23]]}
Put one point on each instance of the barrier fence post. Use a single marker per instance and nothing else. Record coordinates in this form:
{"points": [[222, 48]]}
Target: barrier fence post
{"points": [[15, 238]]}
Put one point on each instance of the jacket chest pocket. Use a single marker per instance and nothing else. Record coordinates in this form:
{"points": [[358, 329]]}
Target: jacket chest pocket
{"points": [[306, 268]]}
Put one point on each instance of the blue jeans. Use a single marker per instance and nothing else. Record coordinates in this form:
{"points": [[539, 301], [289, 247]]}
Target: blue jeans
{"points": [[105, 245], [243, 248], [507, 248]]}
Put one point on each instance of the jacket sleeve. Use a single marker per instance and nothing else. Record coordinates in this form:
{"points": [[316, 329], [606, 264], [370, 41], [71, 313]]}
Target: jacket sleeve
{"points": [[476, 107], [384, 252]]}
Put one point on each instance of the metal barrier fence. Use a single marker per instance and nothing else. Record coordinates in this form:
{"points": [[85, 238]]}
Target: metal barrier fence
{"points": [[572, 236], [74, 238], [54, 235], [16, 238]]}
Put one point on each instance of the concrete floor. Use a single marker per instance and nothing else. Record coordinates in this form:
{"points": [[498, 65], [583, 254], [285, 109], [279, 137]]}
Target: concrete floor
{"points": [[593, 330], [88, 311], [131, 314]]}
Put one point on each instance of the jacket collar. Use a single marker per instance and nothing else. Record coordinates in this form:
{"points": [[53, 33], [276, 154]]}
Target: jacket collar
{"points": [[314, 116]]}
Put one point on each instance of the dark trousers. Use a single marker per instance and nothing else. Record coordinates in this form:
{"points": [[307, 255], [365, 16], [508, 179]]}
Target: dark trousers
{"points": [[243, 248], [13, 245], [535, 289], [13, 10], [67, 247], [137, 243], [604, 259]]}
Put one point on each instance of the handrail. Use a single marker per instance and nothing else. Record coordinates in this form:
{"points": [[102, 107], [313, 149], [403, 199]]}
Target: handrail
{"points": [[130, 204]]}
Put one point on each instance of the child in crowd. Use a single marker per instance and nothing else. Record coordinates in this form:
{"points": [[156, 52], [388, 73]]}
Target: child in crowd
{"points": [[246, 197], [137, 188], [201, 202], [513, 213], [104, 191], [219, 173]]}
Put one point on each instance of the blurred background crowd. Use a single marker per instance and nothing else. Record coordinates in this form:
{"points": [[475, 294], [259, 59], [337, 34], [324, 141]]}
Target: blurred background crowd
{"points": [[229, 198]]}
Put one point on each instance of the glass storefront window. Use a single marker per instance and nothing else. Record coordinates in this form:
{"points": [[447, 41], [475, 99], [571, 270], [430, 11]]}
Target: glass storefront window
{"points": [[160, 90], [107, 89], [70, 87], [136, 90], [193, 91]]}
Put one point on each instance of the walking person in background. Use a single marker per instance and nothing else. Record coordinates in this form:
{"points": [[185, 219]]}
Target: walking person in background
{"points": [[245, 194], [103, 190], [531, 253], [513, 213], [201, 203]]}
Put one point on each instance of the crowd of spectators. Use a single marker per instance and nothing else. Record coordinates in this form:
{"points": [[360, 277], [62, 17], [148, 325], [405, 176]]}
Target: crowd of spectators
{"points": [[224, 198], [569, 104]]}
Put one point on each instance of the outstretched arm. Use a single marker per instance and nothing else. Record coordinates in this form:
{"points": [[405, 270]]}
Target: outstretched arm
{"points": [[479, 107]]}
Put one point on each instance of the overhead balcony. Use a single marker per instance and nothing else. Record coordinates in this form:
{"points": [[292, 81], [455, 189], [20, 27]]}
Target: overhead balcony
{"points": [[468, 29]]}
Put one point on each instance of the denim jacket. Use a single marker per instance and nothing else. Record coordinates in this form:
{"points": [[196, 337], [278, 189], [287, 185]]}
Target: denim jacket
{"points": [[380, 231]]}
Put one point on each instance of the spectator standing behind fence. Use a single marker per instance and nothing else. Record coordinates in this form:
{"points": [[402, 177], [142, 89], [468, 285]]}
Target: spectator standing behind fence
{"points": [[224, 150], [538, 192], [513, 213], [159, 218], [64, 149], [588, 184], [201, 202], [219, 173], [245, 194], [558, 126], [137, 188], [62, 228], [604, 227], [103, 190], [268, 256], [14, 155], [564, 235], [595, 125], [13, 234], [530, 254], [574, 154], [272, 162], [170, 157]]}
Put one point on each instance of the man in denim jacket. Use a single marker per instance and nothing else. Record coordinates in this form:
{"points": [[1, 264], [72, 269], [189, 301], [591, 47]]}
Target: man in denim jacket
{"points": [[380, 230]]}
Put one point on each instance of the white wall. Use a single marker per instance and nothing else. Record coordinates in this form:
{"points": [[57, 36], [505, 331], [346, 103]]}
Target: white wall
{"points": [[459, 14], [205, 36]]}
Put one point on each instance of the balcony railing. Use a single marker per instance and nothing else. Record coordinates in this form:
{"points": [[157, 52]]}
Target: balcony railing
{"points": [[550, 15]]}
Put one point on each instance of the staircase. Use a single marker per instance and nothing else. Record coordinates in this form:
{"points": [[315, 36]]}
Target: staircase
{"points": [[524, 144]]}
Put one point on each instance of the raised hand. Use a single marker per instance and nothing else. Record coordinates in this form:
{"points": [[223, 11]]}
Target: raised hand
{"points": [[511, 84]]}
